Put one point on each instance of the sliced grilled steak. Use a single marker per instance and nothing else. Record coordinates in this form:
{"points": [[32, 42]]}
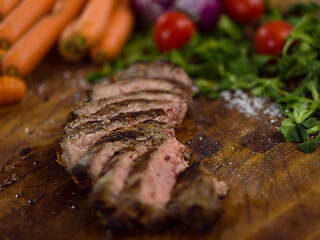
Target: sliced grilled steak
{"points": [[78, 140], [175, 110], [97, 105], [159, 69], [194, 198], [113, 176], [110, 89], [89, 167], [149, 184], [122, 147]]}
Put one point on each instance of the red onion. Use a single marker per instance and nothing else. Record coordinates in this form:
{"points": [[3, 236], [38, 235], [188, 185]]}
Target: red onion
{"points": [[150, 10], [205, 13]]}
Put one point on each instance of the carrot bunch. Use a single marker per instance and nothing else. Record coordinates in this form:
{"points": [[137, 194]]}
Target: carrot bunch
{"points": [[102, 28], [30, 28], [6, 7]]}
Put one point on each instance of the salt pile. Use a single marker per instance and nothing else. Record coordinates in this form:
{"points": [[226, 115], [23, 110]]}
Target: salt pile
{"points": [[251, 106]]}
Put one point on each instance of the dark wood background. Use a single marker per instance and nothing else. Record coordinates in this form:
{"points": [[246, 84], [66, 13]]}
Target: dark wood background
{"points": [[274, 188]]}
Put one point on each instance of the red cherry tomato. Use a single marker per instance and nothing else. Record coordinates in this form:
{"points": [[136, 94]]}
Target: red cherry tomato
{"points": [[244, 11], [172, 30], [270, 37]]}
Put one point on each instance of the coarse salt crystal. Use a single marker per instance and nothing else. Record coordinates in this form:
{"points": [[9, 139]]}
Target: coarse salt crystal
{"points": [[250, 106]]}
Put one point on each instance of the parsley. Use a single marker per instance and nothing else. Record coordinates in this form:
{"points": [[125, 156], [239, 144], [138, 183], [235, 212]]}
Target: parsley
{"points": [[225, 60]]}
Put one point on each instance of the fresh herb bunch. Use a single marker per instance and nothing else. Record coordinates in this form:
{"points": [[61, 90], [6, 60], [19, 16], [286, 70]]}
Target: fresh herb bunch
{"points": [[226, 60]]}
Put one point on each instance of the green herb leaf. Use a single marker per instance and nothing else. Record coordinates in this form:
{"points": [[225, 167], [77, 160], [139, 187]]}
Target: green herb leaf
{"points": [[94, 76], [303, 133], [295, 134], [310, 123], [309, 146], [285, 131]]}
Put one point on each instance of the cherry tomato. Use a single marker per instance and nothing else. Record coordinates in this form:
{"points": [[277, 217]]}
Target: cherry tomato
{"points": [[172, 30], [270, 37], [244, 11]]}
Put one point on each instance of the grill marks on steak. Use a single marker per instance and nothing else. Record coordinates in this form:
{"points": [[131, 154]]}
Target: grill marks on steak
{"points": [[89, 167], [87, 123], [122, 152], [80, 139], [174, 108], [98, 105]]}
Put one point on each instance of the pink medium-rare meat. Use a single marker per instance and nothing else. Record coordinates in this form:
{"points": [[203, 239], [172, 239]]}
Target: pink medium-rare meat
{"points": [[150, 182], [164, 165], [89, 167], [116, 170]]}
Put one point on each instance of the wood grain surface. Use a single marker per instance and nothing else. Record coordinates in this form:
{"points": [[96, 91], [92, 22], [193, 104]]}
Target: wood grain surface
{"points": [[274, 188]]}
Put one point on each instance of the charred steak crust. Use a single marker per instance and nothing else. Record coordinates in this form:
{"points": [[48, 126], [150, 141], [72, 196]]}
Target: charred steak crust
{"points": [[115, 141], [194, 199], [96, 105], [76, 143], [122, 117], [171, 107]]}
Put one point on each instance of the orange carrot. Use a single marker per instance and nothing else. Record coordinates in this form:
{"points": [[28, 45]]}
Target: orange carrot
{"points": [[6, 6], [87, 30], [73, 54], [21, 19], [12, 89], [25, 55], [115, 36], [2, 52]]}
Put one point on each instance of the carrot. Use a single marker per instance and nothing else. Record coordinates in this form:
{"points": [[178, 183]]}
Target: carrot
{"points": [[12, 89], [21, 19], [25, 55], [115, 36], [6, 6], [2, 52], [67, 49], [87, 30]]}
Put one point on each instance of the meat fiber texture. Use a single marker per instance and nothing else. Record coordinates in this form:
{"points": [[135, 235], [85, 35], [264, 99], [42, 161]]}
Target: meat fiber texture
{"points": [[121, 150]]}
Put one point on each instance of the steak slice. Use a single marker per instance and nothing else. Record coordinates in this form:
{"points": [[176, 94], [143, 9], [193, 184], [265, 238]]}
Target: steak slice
{"points": [[97, 105], [160, 69], [110, 89], [113, 176], [149, 184], [174, 109], [89, 167], [77, 141], [195, 198]]}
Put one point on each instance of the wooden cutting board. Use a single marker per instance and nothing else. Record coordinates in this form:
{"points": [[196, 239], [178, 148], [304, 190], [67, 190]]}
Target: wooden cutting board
{"points": [[274, 188]]}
